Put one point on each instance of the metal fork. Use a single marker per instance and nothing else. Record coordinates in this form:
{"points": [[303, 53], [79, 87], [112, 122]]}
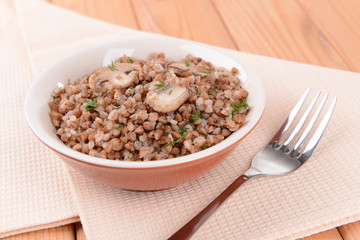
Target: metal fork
{"points": [[275, 158]]}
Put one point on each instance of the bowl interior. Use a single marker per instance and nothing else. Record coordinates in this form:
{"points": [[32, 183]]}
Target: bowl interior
{"points": [[85, 61]]}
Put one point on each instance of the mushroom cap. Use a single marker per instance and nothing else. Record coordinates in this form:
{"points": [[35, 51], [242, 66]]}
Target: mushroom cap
{"points": [[120, 75], [168, 98], [181, 69]]}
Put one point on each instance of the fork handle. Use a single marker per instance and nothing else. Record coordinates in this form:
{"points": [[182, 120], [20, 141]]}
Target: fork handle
{"points": [[188, 229]]}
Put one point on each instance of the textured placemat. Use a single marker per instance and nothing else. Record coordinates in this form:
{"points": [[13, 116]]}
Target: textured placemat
{"points": [[322, 194], [34, 191]]}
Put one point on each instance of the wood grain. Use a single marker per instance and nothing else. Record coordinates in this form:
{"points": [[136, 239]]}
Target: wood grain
{"points": [[331, 234], [118, 12], [350, 231], [278, 29], [190, 19], [59, 233], [338, 21], [80, 234]]}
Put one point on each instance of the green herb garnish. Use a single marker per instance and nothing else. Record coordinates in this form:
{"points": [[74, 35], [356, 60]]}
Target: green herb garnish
{"points": [[112, 67], [203, 147], [115, 107], [132, 90], [140, 103], [120, 126], [187, 63], [160, 85], [131, 60], [237, 106], [91, 104], [198, 89], [197, 115], [135, 154], [142, 84], [56, 103], [170, 92], [211, 92], [183, 131], [207, 72], [127, 157]]}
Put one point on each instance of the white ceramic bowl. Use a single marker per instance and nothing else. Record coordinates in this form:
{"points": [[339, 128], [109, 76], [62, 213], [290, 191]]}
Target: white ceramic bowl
{"points": [[152, 175]]}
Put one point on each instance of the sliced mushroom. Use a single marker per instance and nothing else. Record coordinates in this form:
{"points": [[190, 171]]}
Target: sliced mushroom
{"points": [[168, 98], [182, 70], [119, 75]]}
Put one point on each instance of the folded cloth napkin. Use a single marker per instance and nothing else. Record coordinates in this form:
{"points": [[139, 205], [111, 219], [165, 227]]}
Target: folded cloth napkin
{"points": [[322, 194], [34, 191]]}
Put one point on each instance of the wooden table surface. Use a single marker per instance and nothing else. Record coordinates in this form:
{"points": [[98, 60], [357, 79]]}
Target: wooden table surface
{"points": [[320, 32]]}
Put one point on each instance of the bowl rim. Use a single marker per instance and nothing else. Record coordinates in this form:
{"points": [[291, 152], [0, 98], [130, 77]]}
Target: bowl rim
{"points": [[85, 158]]}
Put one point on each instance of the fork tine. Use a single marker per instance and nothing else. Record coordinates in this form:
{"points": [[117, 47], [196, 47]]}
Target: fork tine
{"points": [[309, 126], [319, 131], [301, 122], [285, 126]]}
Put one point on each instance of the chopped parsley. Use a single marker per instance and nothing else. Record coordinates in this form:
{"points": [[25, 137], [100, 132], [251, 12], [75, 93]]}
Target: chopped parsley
{"points": [[207, 72], [56, 103], [91, 104], [197, 115], [120, 126], [160, 85], [210, 91], [187, 63], [142, 84], [213, 86], [112, 67], [140, 103], [115, 107], [203, 147], [183, 131], [135, 154], [132, 90], [236, 106], [127, 157], [198, 89], [170, 92], [131, 60]]}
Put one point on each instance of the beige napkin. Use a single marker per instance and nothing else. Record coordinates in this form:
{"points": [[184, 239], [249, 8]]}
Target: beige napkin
{"points": [[34, 191], [322, 194]]}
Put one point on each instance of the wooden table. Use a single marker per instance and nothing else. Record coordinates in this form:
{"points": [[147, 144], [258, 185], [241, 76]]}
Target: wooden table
{"points": [[320, 32]]}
